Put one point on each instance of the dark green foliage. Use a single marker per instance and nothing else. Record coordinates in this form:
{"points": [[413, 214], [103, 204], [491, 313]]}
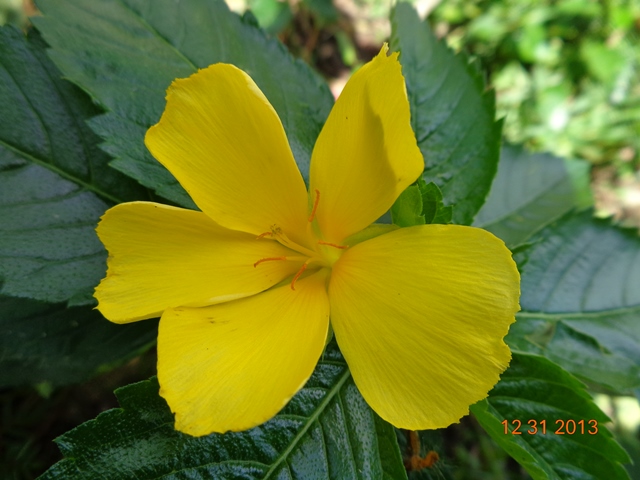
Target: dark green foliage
{"points": [[451, 114], [326, 431], [126, 53], [51, 344], [54, 186], [534, 388], [54, 181]]}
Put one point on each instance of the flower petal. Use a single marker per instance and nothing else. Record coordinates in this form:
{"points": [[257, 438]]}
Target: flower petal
{"points": [[420, 315], [223, 141], [235, 365], [162, 257], [366, 154]]}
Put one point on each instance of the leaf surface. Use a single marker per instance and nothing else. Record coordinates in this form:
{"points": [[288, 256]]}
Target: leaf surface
{"points": [[530, 191], [451, 114], [581, 300], [125, 53], [535, 389], [54, 181], [326, 431], [45, 343]]}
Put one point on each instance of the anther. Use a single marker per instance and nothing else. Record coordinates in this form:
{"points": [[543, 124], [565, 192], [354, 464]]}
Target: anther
{"points": [[297, 276], [315, 206], [341, 247], [268, 259]]}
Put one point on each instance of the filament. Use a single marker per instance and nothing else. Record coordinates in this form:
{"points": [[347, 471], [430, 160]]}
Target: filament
{"points": [[315, 206], [268, 259], [300, 272], [342, 247]]}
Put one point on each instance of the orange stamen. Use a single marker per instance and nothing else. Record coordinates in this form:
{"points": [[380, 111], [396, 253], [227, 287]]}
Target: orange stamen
{"points": [[315, 206], [416, 462], [265, 234], [342, 247], [268, 259], [300, 272]]}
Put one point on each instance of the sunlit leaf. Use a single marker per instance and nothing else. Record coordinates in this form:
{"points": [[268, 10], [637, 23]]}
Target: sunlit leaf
{"points": [[581, 300], [530, 191], [451, 114]]}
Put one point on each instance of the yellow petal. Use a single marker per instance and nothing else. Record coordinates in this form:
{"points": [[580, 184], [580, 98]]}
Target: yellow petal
{"points": [[420, 315], [235, 365], [162, 257], [366, 154], [223, 141]]}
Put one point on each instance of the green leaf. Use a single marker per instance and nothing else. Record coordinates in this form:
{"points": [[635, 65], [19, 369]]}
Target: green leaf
{"points": [[433, 207], [125, 53], [581, 300], [326, 431], [53, 345], [530, 191], [407, 209], [533, 388], [54, 181], [420, 204], [451, 114]]}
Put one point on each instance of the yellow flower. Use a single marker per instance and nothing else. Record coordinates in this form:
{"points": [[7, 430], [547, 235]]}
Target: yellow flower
{"points": [[245, 288]]}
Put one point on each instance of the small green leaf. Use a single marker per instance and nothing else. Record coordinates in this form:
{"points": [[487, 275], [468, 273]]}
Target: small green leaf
{"points": [[530, 191], [407, 209], [125, 53], [326, 431], [54, 180], [52, 345], [433, 207], [535, 389], [581, 300], [451, 113], [420, 204]]}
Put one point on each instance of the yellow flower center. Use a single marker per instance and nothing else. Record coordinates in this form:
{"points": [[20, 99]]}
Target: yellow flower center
{"points": [[324, 254]]}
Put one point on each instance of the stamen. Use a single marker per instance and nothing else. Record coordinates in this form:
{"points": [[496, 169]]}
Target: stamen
{"points": [[268, 259], [300, 272], [315, 206], [342, 247], [265, 234]]}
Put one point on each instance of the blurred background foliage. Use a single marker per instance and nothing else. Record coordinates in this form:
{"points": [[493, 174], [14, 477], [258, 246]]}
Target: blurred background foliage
{"points": [[567, 79]]}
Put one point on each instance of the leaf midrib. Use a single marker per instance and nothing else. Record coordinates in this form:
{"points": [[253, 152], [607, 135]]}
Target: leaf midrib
{"points": [[62, 173], [506, 215], [331, 393], [594, 314]]}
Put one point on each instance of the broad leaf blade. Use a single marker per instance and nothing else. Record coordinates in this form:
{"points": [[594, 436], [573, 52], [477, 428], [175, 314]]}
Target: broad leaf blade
{"points": [[54, 181], [530, 191], [50, 343], [326, 431], [581, 300], [125, 53], [54, 186], [533, 388], [451, 114]]}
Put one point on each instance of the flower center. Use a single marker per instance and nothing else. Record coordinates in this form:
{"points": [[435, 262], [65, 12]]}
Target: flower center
{"points": [[320, 257]]}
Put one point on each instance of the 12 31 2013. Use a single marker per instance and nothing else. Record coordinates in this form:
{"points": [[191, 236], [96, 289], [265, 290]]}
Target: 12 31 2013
{"points": [[560, 427]]}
